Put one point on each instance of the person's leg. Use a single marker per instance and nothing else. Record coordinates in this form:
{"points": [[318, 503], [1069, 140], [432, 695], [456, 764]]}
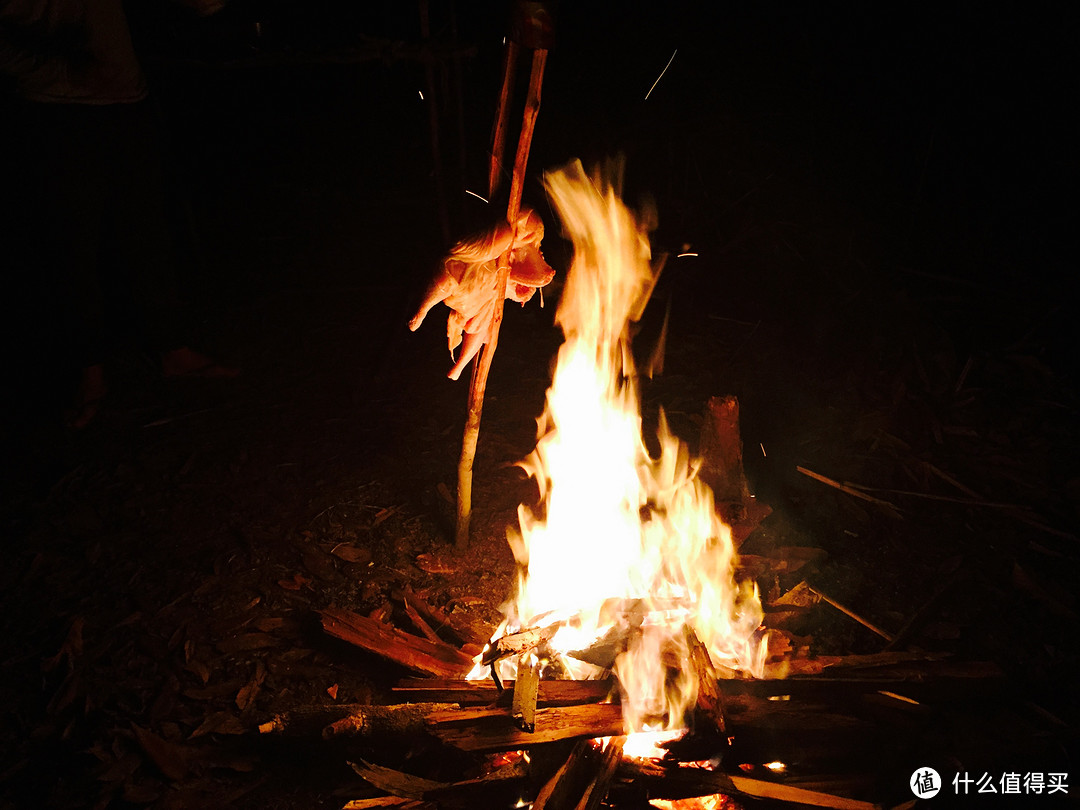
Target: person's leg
{"points": [[140, 239], [143, 243], [65, 149]]}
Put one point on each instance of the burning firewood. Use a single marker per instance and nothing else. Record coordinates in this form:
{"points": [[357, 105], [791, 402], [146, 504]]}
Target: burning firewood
{"points": [[583, 779], [518, 643]]}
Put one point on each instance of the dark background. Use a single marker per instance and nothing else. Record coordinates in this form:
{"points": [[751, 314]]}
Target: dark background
{"points": [[883, 203]]}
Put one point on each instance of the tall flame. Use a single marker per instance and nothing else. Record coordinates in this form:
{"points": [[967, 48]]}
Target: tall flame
{"points": [[620, 537]]}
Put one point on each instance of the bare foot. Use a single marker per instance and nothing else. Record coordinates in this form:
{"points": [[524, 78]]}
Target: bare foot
{"points": [[88, 398], [185, 362]]}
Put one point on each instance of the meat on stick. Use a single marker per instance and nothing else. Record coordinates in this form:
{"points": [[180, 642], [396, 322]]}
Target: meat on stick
{"points": [[467, 282]]}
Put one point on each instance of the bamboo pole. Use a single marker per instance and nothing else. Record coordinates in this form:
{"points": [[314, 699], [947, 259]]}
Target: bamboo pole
{"points": [[498, 136], [483, 363]]}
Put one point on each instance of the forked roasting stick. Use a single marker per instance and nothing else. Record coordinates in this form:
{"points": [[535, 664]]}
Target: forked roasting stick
{"points": [[483, 363]]}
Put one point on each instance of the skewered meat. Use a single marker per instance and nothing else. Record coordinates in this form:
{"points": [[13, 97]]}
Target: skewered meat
{"points": [[467, 278]]}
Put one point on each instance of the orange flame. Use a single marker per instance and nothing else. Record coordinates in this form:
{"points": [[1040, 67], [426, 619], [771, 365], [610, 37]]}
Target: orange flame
{"points": [[618, 532]]}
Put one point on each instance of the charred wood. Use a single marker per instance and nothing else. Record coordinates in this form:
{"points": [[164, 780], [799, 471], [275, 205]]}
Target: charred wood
{"points": [[582, 782]]}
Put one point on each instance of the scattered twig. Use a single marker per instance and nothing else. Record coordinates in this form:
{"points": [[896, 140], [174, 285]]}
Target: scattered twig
{"points": [[853, 615], [851, 489]]}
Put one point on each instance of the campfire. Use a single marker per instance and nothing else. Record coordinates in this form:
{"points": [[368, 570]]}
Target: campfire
{"points": [[636, 662], [624, 565], [643, 659]]}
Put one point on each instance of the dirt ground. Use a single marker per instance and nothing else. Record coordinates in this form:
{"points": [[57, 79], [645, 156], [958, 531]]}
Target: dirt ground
{"points": [[881, 322]]}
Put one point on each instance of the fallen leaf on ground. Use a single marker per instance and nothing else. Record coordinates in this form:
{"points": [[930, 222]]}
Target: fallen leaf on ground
{"points": [[351, 553], [296, 583], [433, 565], [383, 514], [219, 723], [170, 758], [247, 641]]}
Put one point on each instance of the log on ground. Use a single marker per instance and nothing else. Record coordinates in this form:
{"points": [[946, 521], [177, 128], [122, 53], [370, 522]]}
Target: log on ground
{"points": [[415, 653]]}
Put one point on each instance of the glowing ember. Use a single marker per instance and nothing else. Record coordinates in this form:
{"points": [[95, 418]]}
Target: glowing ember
{"points": [[621, 542]]}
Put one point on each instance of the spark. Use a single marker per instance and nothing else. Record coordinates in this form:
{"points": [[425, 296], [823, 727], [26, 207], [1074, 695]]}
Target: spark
{"points": [[684, 255], [421, 92], [662, 72], [473, 193], [763, 453]]}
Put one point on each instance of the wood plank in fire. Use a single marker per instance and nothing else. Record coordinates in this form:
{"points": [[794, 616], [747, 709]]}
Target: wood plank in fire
{"points": [[494, 729]]}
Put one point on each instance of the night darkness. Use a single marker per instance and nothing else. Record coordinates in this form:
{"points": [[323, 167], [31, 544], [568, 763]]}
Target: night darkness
{"points": [[882, 203]]}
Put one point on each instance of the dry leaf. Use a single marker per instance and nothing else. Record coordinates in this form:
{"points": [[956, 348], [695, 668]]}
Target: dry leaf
{"points": [[296, 583], [170, 758], [247, 693], [215, 692], [383, 514], [199, 669], [433, 565], [219, 723], [321, 565], [247, 641], [122, 768], [351, 553], [71, 648], [268, 624], [145, 792]]}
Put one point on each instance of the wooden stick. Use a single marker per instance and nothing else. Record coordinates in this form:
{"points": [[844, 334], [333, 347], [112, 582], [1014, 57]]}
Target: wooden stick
{"points": [[483, 364], [502, 114], [518, 643], [684, 782], [851, 490], [853, 615], [454, 626], [418, 654], [721, 456], [481, 693], [384, 721], [597, 790], [494, 730], [313, 721], [526, 691], [760, 789], [582, 781], [419, 623], [920, 615], [395, 782]]}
